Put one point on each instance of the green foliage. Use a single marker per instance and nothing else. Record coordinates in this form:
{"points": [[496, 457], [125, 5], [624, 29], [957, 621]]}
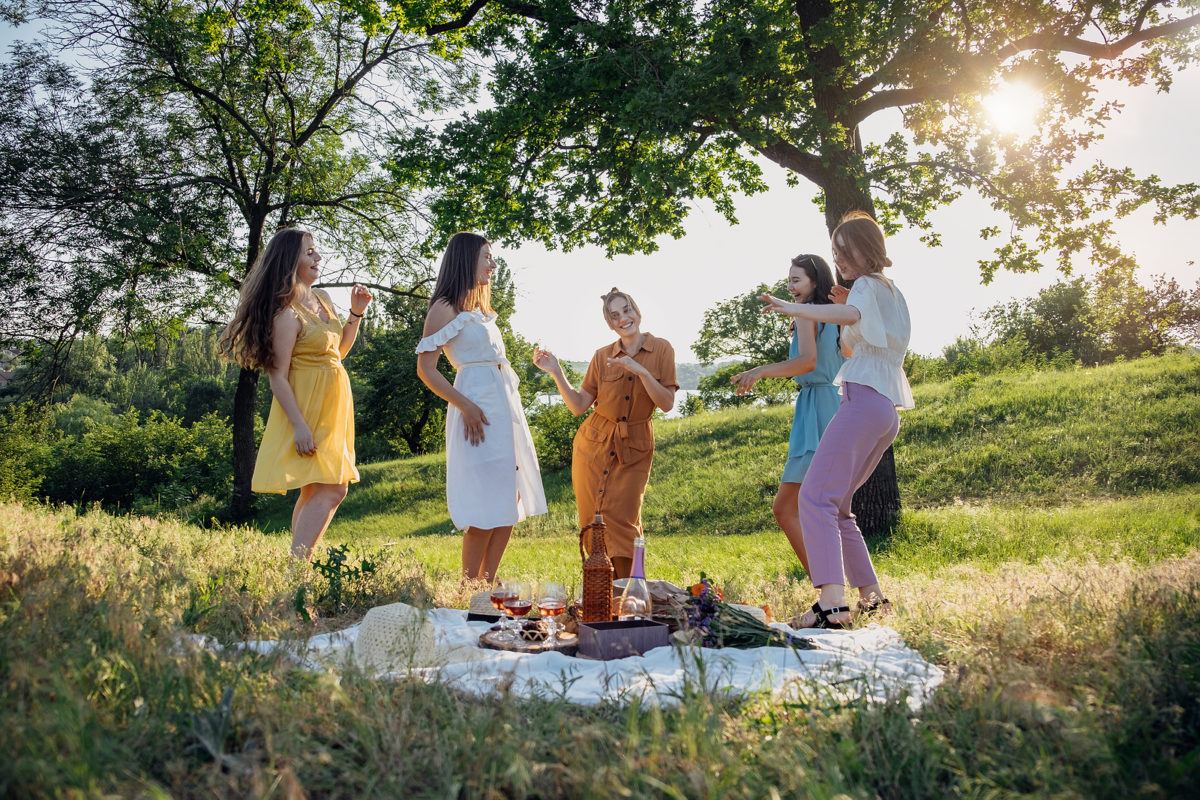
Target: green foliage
{"points": [[737, 328], [126, 460], [716, 390], [606, 121], [24, 435], [345, 585], [394, 412], [553, 427], [1108, 319]]}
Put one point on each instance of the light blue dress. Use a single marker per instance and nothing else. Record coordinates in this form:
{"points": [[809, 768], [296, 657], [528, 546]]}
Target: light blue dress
{"points": [[816, 404]]}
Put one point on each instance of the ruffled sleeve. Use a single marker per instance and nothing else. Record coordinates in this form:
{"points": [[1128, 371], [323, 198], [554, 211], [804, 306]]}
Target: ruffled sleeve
{"points": [[864, 296], [435, 340]]}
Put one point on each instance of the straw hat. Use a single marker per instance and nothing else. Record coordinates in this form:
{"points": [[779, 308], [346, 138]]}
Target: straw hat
{"points": [[481, 603], [394, 637]]}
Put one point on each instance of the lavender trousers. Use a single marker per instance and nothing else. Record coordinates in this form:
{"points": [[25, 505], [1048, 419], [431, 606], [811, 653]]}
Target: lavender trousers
{"points": [[857, 437]]}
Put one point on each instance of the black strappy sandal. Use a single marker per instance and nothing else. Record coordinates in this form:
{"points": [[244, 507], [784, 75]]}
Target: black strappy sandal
{"points": [[822, 620], [876, 607]]}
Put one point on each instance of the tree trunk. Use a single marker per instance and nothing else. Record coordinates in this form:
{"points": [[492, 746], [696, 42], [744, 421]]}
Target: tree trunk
{"points": [[245, 401], [245, 404], [876, 505]]}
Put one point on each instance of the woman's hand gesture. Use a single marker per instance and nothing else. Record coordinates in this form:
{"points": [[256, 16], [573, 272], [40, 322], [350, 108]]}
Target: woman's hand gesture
{"points": [[305, 445], [360, 298], [546, 361], [777, 305], [744, 381], [838, 294], [473, 421], [626, 364]]}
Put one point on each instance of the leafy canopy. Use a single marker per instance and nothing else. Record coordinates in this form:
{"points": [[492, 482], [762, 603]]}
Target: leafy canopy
{"points": [[607, 120]]}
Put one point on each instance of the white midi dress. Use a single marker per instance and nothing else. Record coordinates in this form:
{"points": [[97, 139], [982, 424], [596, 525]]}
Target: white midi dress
{"points": [[496, 482]]}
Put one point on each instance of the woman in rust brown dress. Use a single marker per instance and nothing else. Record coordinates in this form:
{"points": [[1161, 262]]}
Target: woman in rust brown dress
{"points": [[610, 464]]}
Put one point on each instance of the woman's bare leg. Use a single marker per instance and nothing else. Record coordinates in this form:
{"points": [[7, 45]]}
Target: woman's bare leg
{"points": [[496, 545], [314, 516], [474, 547], [787, 514]]}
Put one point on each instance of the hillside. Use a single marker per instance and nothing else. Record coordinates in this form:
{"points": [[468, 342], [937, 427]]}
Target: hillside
{"points": [[1025, 439]]}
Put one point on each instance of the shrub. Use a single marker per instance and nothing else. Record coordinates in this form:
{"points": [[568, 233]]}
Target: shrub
{"points": [[125, 460], [24, 431], [553, 427]]}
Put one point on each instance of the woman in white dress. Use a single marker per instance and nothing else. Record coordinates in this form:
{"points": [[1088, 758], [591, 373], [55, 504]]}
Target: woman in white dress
{"points": [[492, 475]]}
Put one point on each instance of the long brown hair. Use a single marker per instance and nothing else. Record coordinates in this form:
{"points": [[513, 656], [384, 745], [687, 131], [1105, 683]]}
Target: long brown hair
{"points": [[456, 282], [820, 274], [860, 235], [269, 286]]}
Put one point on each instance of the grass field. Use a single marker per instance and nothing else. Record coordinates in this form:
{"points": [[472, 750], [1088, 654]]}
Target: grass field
{"points": [[1047, 559]]}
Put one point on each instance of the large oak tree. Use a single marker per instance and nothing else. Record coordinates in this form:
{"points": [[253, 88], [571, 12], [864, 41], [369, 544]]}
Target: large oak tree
{"points": [[607, 119]]}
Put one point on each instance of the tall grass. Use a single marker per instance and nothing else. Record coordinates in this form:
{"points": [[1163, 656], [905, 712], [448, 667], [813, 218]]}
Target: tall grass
{"points": [[1061, 595], [1069, 677]]}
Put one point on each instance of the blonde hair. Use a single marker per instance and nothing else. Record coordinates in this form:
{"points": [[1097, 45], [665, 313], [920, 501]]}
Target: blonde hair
{"points": [[617, 293], [860, 236]]}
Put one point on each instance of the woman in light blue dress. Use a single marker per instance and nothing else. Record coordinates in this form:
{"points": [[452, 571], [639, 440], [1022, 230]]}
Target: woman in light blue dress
{"points": [[814, 359]]}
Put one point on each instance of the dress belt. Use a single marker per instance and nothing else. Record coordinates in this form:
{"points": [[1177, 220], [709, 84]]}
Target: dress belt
{"points": [[493, 363], [622, 431]]}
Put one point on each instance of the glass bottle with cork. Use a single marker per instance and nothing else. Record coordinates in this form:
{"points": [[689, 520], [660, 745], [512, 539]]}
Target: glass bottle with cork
{"points": [[635, 602]]}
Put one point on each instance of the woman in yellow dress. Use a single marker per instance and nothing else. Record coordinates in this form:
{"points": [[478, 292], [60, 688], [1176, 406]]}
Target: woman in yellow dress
{"points": [[292, 332]]}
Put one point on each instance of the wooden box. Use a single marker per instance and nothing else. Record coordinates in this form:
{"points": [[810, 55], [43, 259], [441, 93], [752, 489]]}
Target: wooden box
{"points": [[619, 639]]}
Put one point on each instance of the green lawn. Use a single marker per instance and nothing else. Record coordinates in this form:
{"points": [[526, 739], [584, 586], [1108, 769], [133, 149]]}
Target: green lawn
{"points": [[1047, 559]]}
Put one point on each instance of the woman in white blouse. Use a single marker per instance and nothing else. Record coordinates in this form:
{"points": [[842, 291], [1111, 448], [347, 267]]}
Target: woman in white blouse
{"points": [[875, 333]]}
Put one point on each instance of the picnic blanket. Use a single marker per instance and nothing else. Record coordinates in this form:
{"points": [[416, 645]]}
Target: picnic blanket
{"points": [[842, 666]]}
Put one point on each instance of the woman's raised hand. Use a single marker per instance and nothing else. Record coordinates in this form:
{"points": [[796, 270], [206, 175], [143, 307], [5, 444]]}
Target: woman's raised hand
{"points": [[773, 303], [473, 421], [744, 381], [545, 360], [360, 297], [838, 294], [305, 445]]}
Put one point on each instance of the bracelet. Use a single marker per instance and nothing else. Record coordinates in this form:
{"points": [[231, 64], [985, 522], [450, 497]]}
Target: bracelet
{"points": [[352, 314]]}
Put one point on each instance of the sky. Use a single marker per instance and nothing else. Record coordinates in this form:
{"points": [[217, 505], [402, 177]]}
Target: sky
{"points": [[558, 294]]}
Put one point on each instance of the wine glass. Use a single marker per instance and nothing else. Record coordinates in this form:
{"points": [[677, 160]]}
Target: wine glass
{"points": [[518, 603], [501, 593], [551, 601]]}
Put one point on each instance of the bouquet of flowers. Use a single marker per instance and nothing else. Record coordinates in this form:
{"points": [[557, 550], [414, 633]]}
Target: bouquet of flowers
{"points": [[711, 622]]}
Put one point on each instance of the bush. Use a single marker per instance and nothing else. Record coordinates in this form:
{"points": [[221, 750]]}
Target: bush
{"points": [[24, 431], [122, 461], [553, 427]]}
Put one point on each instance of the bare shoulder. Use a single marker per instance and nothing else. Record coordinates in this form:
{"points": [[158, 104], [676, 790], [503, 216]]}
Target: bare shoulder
{"points": [[440, 314], [287, 319]]}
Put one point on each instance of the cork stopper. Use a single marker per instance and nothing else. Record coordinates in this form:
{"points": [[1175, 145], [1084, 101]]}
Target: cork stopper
{"points": [[598, 519]]}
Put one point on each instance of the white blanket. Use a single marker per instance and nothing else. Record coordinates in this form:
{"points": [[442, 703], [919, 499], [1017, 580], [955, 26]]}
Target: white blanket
{"points": [[871, 663]]}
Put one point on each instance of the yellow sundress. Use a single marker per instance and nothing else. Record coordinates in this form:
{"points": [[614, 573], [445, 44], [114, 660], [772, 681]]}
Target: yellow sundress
{"points": [[322, 390]]}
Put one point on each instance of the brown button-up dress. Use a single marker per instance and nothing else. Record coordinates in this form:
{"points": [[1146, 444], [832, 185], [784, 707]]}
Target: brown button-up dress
{"points": [[610, 462]]}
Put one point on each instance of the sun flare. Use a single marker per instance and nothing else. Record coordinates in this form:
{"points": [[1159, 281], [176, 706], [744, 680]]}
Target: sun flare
{"points": [[1013, 107]]}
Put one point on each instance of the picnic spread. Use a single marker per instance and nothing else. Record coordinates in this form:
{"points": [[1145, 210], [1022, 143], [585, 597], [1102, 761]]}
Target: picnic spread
{"points": [[398, 641]]}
